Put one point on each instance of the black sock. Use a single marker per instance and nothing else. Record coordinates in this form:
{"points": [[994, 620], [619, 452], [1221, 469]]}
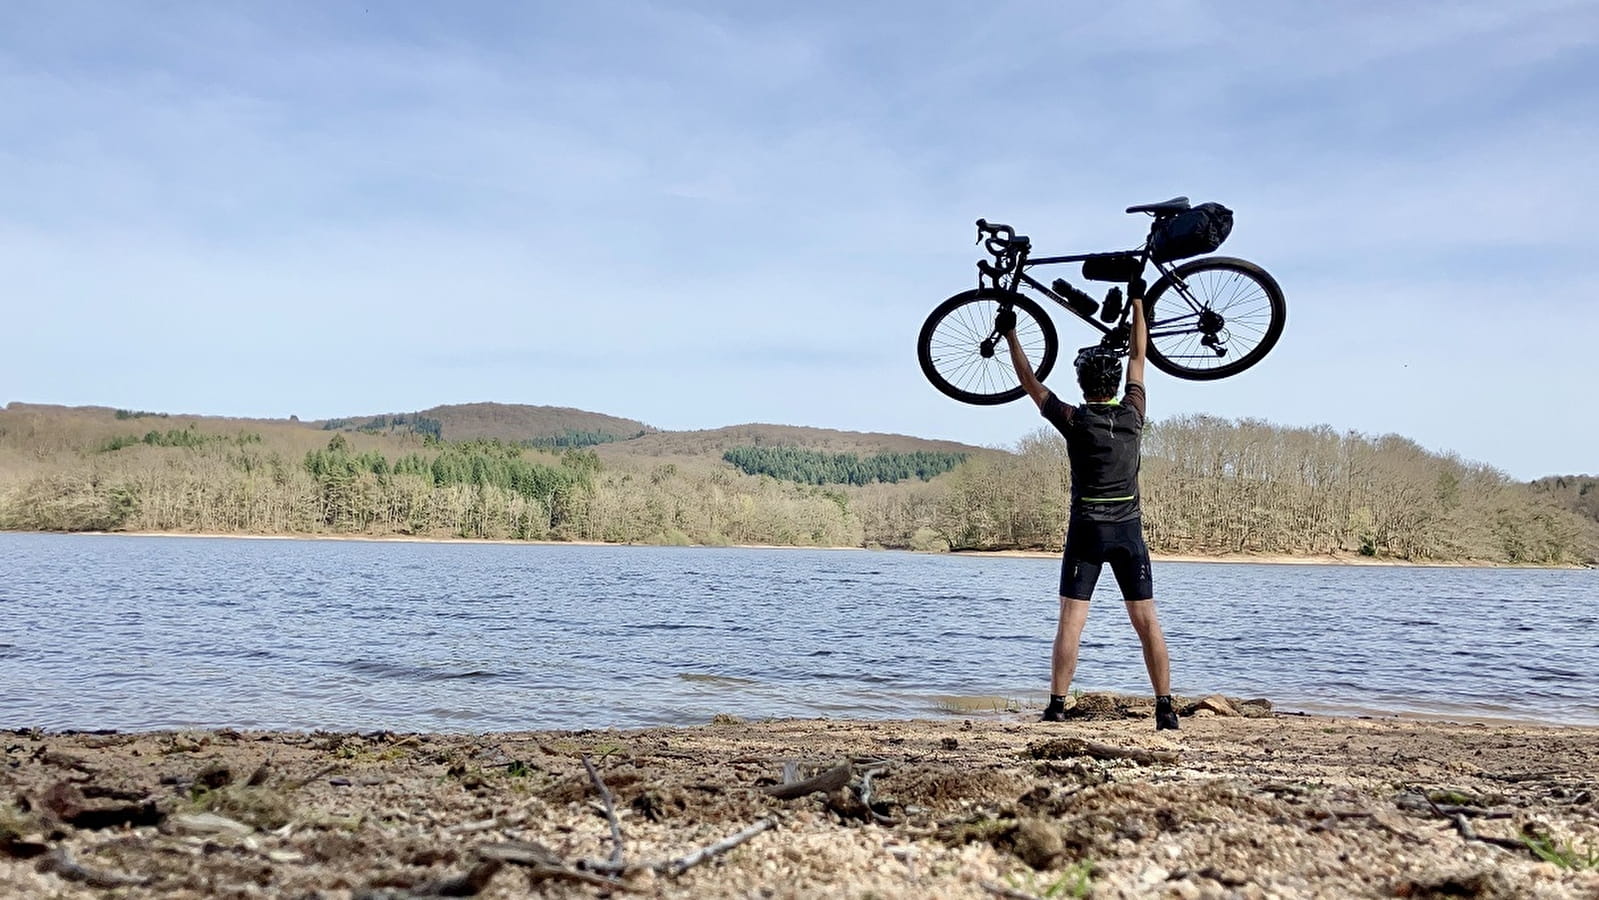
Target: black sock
{"points": [[1163, 699], [1057, 701]]}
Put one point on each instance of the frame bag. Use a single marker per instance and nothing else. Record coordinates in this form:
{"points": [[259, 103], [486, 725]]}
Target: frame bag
{"points": [[1112, 267], [1191, 232]]}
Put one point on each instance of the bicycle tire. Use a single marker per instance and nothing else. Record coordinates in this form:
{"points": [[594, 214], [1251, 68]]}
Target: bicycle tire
{"points": [[951, 358], [1240, 292]]}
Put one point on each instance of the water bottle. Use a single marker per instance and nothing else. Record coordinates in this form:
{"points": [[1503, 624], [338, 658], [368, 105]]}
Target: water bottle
{"points": [[1084, 305], [1112, 308]]}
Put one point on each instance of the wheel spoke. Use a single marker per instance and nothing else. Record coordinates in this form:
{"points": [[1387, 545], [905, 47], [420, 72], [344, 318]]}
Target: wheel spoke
{"points": [[1231, 301], [951, 348]]}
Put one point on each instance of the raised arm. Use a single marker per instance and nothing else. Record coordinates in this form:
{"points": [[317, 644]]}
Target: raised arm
{"points": [[1006, 323], [1140, 336]]}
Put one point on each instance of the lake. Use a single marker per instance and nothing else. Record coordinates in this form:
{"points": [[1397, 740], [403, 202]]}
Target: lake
{"points": [[138, 633]]}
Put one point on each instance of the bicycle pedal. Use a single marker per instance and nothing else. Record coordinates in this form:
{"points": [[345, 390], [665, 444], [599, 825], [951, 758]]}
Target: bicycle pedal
{"points": [[1111, 309]]}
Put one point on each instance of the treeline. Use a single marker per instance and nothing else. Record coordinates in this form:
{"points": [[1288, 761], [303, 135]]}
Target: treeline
{"points": [[415, 423], [1210, 487], [175, 437], [817, 467], [1214, 486], [572, 438], [1578, 493], [476, 489]]}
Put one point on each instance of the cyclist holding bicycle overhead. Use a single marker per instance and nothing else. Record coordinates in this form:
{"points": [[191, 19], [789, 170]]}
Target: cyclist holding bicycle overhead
{"points": [[1102, 441]]}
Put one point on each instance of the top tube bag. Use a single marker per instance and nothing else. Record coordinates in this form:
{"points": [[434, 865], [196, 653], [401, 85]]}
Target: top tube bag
{"points": [[1191, 232]]}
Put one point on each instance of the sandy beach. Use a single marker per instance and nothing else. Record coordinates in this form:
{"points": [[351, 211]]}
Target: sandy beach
{"points": [[1252, 805]]}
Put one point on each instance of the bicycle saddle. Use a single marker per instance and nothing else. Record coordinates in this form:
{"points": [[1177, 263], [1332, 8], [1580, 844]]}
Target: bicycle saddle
{"points": [[1164, 208]]}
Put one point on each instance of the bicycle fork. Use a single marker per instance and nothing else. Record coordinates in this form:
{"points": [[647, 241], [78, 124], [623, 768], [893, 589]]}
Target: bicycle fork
{"points": [[986, 346]]}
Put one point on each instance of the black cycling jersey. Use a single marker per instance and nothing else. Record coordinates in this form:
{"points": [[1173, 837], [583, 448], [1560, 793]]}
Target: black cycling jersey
{"points": [[1102, 440]]}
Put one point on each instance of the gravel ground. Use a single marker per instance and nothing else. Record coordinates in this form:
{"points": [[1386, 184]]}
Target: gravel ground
{"points": [[993, 806]]}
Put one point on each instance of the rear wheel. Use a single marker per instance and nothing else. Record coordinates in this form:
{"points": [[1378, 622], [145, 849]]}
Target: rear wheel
{"points": [[1214, 317], [959, 357]]}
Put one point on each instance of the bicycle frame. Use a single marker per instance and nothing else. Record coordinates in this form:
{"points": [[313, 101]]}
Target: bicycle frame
{"points": [[1015, 262]]}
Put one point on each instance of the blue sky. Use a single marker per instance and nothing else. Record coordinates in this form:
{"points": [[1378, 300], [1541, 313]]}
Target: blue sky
{"points": [[702, 214]]}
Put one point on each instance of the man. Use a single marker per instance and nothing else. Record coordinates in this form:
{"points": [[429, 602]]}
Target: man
{"points": [[1102, 441]]}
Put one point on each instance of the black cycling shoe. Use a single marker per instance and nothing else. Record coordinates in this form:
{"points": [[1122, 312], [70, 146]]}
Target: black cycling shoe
{"points": [[1053, 713], [1165, 716]]}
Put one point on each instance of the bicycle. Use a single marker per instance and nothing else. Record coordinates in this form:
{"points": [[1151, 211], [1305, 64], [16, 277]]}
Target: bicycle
{"points": [[1225, 314]]}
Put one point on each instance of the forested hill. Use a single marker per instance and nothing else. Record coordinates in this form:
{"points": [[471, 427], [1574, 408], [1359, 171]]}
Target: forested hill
{"points": [[1209, 486], [515, 423], [716, 441]]}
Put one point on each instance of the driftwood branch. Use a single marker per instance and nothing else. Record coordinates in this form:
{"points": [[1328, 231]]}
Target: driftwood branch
{"points": [[60, 862], [827, 782], [610, 811]]}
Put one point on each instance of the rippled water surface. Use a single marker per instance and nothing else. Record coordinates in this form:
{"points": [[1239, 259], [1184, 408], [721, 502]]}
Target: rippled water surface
{"points": [[156, 632]]}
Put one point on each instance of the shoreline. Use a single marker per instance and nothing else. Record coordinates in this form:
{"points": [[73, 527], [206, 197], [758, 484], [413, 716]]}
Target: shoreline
{"points": [[1274, 559], [1267, 806]]}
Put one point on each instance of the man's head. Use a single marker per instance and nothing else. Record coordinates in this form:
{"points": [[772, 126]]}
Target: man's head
{"points": [[1099, 373]]}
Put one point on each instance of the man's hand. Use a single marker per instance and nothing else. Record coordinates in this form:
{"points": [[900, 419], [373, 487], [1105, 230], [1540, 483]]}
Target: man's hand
{"points": [[1005, 322], [1135, 294]]}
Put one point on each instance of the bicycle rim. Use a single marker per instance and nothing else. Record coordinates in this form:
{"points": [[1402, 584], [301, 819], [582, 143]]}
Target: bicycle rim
{"points": [[1210, 305], [950, 346]]}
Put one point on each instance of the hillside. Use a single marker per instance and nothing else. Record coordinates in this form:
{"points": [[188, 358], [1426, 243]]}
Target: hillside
{"points": [[1210, 486], [716, 441], [45, 429], [510, 422]]}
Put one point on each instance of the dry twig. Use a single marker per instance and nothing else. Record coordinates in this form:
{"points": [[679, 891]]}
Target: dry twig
{"points": [[487, 824], [866, 797], [1463, 826], [544, 865], [610, 811], [684, 863], [999, 890], [325, 770]]}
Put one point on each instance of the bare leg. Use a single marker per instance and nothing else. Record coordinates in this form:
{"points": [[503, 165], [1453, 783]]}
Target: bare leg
{"points": [[1147, 624], [1063, 662]]}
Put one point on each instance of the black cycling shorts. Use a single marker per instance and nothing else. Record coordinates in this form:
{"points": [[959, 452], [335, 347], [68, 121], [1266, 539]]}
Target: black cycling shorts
{"points": [[1089, 545]]}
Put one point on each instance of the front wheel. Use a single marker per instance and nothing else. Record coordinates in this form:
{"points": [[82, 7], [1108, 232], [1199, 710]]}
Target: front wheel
{"points": [[1214, 317], [960, 356]]}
